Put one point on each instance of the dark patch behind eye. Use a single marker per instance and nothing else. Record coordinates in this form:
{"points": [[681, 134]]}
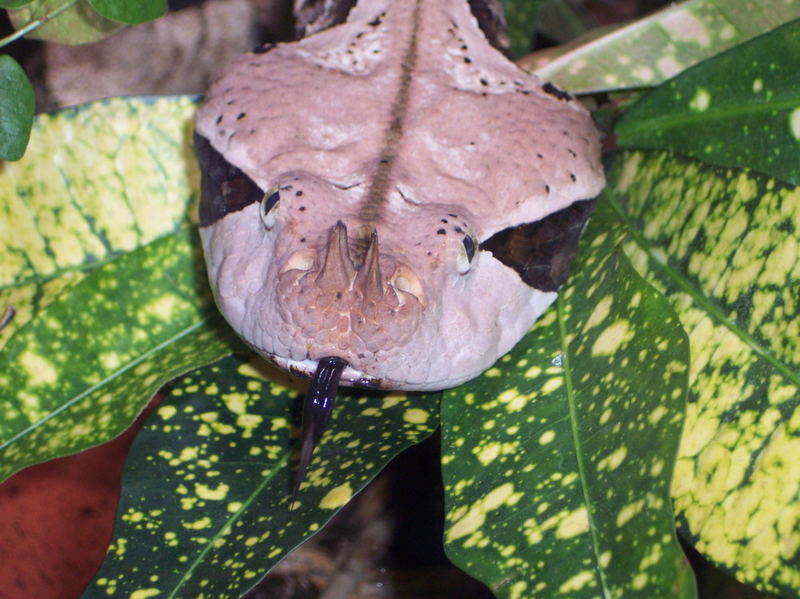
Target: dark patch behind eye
{"points": [[542, 252], [224, 188]]}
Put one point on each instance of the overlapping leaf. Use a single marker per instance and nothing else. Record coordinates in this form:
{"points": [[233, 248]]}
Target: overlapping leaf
{"points": [[63, 21], [205, 499], [97, 181], [741, 108], [651, 50], [16, 109], [109, 291], [557, 462], [723, 245], [80, 372]]}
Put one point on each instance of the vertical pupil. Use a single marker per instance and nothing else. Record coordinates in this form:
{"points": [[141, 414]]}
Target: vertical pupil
{"points": [[270, 202], [469, 246]]}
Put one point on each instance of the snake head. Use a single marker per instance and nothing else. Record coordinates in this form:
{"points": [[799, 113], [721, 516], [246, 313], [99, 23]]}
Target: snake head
{"points": [[391, 191]]}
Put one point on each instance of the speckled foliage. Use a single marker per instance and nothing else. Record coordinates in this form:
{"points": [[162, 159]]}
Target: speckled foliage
{"points": [[726, 256], [724, 245], [557, 462], [651, 50], [93, 336], [219, 449], [741, 108], [540, 479]]}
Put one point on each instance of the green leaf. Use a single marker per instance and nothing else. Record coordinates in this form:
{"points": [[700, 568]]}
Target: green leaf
{"points": [[132, 13], [105, 278], [651, 50], [205, 497], [97, 181], [557, 462], [17, 104], [741, 108], [521, 19], [80, 372], [723, 245], [14, 3], [76, 24]]}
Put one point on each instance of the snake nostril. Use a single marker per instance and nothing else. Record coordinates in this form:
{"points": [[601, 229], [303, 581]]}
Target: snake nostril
{"points": [[301, 260]]}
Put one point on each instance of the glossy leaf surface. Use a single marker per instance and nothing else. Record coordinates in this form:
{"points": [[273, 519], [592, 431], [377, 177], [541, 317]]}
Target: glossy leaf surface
{"points": [[220, 448], [79, 373], [77, 24], [132, 13], [97, 181], [108, 288], [722, 244], [741, 108], [16, 109], [649, 51], [557, 462]]}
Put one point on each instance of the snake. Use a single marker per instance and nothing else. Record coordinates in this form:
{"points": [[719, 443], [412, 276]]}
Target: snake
{"points": [[389, 202]]}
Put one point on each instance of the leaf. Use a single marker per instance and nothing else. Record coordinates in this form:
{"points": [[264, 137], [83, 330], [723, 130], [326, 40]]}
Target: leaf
{"points": [[14, 3], [557, 462], [97, 181], [521, 19], [741, 108], [651, 50], [79, 23], [79, 374], [106, 280], [132, 13], [219, 449], [723, 245], [17, 104]]}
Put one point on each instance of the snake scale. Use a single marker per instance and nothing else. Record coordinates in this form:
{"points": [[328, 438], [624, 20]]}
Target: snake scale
{"points": [[389, 202]]}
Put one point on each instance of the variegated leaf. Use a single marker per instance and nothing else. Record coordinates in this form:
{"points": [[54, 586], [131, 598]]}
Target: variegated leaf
{"points": [[649, 51], [97, 180], [724, 246], [205, 499], [557, 462], [741, 108], [109, 291], [80, 372]]}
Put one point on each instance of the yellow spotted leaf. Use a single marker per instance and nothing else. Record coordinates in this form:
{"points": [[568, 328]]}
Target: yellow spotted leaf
{"points": [[724, 246], [557, 463], [104, 280], [96, 181], [648, 51], [205, 494]]}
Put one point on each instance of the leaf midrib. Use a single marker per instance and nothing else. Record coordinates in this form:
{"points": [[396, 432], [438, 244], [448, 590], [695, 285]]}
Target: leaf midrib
{"points": [[228, 524], [701, 300], [573, 418], [691, 118], [83, 394]]}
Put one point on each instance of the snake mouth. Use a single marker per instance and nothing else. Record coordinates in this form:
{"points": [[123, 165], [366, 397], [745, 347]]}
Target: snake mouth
{"points": [[350, 377]]}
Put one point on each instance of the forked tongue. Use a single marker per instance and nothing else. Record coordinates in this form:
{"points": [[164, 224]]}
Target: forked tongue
{"points": [[317, 408]]}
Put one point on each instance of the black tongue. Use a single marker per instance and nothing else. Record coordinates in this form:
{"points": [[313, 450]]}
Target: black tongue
{"points": [[317, 408]]}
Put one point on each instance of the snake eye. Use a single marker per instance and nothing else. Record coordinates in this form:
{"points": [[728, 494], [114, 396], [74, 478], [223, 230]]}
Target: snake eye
{"points": [[269, 208], [466, 254]]}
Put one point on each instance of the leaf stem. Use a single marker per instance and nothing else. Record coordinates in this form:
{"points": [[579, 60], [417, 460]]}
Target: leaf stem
{"points": [[36, 23]]}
